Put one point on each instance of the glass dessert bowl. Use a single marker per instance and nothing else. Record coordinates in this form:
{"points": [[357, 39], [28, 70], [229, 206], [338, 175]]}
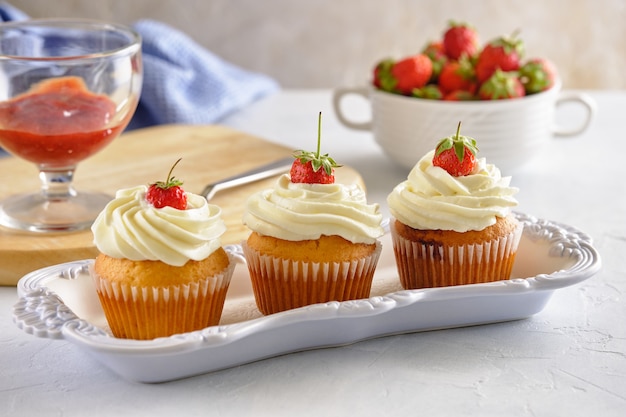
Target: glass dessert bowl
{"points": [[67, 89]]}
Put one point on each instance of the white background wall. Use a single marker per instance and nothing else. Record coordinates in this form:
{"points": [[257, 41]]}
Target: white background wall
{"points": [[330, 43]]}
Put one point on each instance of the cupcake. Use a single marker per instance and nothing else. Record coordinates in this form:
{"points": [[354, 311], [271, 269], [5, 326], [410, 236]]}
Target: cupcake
{"points": [[161, 268], [451, 219], [312, 240]]}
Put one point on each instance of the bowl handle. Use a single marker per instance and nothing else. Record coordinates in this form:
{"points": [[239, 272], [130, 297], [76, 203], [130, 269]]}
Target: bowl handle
{"points": [[338, 95], [589, 105]]}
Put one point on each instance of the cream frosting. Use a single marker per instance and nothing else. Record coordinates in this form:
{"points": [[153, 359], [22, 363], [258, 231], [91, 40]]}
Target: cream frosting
{"points": [[132, 228], [432, 199], [297, 212]]}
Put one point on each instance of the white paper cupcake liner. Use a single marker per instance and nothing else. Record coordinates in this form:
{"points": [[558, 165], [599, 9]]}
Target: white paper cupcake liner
{"points": [[433, 265], [148, 312], [281, 284]]}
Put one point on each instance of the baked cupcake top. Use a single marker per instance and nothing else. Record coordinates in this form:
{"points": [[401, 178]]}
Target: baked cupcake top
{"points": [[307, 204], [434, 199], [130, 227], [302, 211]]}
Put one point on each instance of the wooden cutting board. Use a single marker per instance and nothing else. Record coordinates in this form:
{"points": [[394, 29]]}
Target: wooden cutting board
{"points": [[209, 153]]}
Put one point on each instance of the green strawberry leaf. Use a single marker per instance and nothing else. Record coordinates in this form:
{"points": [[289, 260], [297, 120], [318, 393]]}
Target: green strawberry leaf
{"points": [[459, 143], [317, 160], [171, 180]]}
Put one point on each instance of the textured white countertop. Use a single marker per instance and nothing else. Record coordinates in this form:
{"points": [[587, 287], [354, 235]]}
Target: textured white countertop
{"points": [[569, 360]]}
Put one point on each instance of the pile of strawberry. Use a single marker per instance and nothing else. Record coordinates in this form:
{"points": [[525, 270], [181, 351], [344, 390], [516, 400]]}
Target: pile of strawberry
{"points": [[457, 68]]}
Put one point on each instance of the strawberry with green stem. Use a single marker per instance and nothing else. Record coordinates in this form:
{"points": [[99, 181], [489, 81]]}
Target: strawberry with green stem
{"points": [[502, 85], [313, 167], [537, 75], [456, 154], [383, 80], [434, 50], [168, 193], [429, 91], [504, 53], [460, 39], [411, 73], [458, 75]]}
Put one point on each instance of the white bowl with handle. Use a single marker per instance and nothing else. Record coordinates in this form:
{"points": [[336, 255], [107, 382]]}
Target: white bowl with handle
{"points": [[509, 132]]}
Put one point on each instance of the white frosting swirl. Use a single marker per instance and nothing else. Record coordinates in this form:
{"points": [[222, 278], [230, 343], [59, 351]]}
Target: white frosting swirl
{"points": [[132, 228], [307, 211], [432, 199]]}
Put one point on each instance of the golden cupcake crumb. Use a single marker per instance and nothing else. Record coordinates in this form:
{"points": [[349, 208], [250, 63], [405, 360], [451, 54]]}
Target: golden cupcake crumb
{"points": [[502, 227], [324, 249], [157, 273]]}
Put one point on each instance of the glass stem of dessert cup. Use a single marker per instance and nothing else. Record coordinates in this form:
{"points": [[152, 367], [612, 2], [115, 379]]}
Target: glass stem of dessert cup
{"points": [[58, 207]]}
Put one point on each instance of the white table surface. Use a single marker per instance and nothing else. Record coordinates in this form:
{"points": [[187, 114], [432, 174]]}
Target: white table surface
{"points": [[570, 359]]}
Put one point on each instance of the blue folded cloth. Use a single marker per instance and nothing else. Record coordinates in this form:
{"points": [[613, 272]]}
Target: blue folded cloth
{"points": [[8, 13], [183, 82]]}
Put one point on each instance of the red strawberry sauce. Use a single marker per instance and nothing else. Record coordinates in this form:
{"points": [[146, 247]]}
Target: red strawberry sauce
{"points": [[57, 123]]}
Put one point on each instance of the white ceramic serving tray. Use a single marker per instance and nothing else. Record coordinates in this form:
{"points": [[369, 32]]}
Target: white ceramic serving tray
{"points": [[60, 302]]}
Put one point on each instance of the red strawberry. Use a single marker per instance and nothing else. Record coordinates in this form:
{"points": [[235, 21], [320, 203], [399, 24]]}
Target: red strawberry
{"points": [[501, 85], [303, 171], [168, 193], [537, 75], [434, 50], [412, 72], [456, 154], [459, 95], [457, 75], [503, 53], [383, 80], [436, 53], [311, 167], [460, 39]]}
